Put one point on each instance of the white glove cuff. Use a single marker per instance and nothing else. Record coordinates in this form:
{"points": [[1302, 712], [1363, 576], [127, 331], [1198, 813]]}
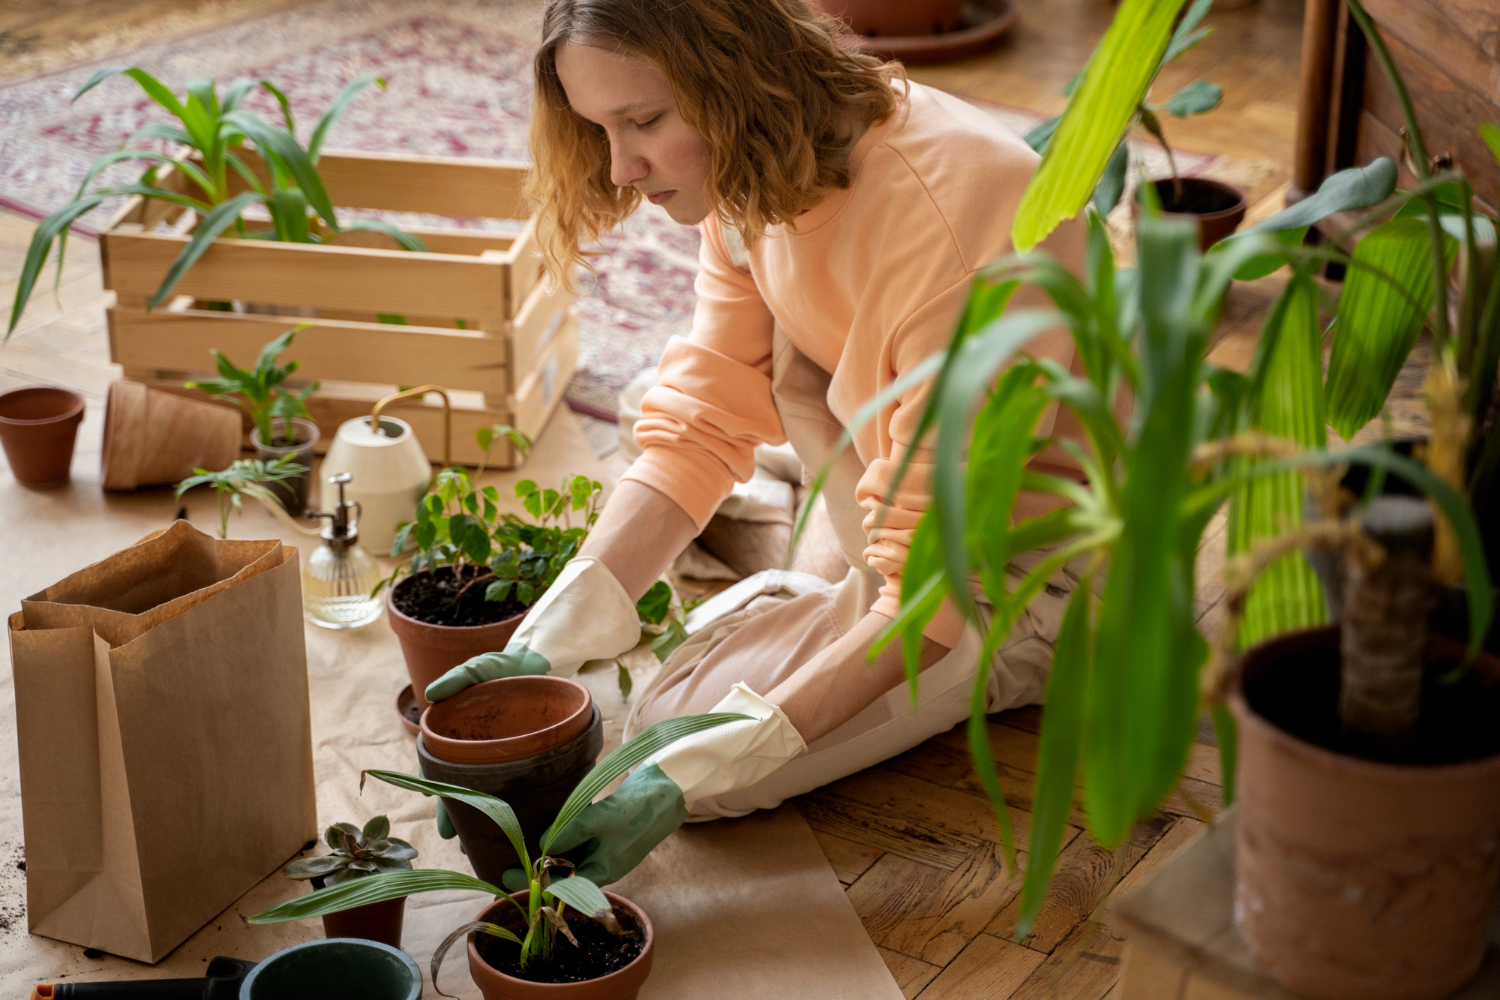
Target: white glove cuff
{"points": [[732, 756], [585, 615]]}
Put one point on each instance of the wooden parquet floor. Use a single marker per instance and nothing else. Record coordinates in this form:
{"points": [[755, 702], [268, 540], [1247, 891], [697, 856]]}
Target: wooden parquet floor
{"points": [[914, 840]]}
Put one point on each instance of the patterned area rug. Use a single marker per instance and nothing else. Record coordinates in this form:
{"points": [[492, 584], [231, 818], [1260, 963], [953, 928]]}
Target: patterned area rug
{"points": [[458, 76]]}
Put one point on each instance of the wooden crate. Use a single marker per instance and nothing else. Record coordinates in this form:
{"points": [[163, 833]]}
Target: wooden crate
{"points": [[476, 316]]}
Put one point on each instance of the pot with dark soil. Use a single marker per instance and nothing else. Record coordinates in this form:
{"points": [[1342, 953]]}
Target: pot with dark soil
{"points": [[442, 619], [1369, 787], [602, 965], [359, 853], [1217, 207], [297, 438], [476, 570]]}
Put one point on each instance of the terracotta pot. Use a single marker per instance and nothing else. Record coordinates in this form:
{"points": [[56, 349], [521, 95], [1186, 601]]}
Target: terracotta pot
{"points": [[1212, 226], [535, 787], [1358, 880], [291, 492], [335, 967], [38, 428], [376, 922], [622, 984], [506, 719], [887, 18], [153, 437], [433, 650]]}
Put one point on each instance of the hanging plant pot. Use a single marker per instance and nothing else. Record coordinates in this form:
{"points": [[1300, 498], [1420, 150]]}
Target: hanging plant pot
{"points": [[300, 444], [38, 428], [605, 968], [1217, 207], [1363, 879], [527, 740], [440, 624]]}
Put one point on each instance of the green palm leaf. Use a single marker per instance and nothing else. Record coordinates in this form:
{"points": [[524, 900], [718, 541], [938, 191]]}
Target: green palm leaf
{"points": [[36, 253], [496, 809], [581, 894], [336, 111], [208, 229], [374, 889]]}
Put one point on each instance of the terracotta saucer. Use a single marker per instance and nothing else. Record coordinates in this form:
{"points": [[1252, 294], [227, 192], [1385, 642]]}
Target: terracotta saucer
{"points": [[985, 23], [409, 710]]}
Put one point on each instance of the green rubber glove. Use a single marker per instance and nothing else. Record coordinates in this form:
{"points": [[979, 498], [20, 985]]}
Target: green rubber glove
{"points": [[512, 661], [620, 829]]}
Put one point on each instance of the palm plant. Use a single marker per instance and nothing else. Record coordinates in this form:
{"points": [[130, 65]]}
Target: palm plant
{"points": [[245, 477], [259, 391], [212, 132], [1129, 674], [552, 887]]}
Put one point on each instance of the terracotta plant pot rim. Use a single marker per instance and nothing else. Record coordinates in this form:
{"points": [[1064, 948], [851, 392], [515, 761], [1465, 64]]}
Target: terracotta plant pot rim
{"points": [[390, 603], [74, 410], [617, 977], [1414, 774], [508, 748], [1239, 206]]}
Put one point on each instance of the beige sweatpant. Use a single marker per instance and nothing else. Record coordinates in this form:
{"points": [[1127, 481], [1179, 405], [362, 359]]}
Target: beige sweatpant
{"points": [[764, 628]]}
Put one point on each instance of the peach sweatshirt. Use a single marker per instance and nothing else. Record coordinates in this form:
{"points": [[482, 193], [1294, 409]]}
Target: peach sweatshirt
{"points": [[866, 284]]}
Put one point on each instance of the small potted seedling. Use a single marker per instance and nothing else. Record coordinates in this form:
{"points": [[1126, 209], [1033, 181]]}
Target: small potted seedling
{"points": [[281, 424], [359, 854], [245, 477], [562, 936]]}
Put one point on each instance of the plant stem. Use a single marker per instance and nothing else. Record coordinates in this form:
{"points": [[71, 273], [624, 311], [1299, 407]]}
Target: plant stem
{"points": [[1420, 162]]}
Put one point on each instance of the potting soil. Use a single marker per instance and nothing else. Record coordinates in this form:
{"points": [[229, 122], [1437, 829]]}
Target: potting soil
{"points": [[1197, 199], [442, 597], [599, 952], [1300, 694]]}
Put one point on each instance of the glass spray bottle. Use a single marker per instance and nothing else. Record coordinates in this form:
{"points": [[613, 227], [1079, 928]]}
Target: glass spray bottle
{"points": [[340, 574]]}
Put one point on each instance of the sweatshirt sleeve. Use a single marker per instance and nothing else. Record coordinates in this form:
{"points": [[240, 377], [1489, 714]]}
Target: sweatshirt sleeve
{"points": [[892, 520], [712, 405]]}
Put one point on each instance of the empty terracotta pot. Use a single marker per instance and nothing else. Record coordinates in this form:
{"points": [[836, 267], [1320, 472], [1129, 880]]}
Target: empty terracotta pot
{"points": [[376, 922], [153, 437], [433, 650], [1357, 880], [506, 719], [535, 787], [38, 428], [886, 18], [622, 984]]}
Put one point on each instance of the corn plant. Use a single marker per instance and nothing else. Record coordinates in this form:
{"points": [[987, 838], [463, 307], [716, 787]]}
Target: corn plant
{"points": [[357, 853], [554, 894], [245, 477], [259, 391], [212, 131], [1196, 98]]}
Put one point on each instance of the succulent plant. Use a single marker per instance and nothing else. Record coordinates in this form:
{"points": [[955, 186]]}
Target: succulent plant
{"points": [[356, 853]]}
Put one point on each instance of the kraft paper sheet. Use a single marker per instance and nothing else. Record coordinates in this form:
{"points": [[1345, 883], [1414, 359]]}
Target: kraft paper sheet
{"points": [[741, 907]]}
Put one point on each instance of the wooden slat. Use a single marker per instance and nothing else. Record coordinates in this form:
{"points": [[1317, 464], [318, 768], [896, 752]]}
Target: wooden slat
{"points": [[406, 182], [298, 274], [988, 969], [1084, 876], [471, 242], [848, 859], [1150, 974], [1181, 833], [525, 261], [929, 913], [541, 319], [912, 975], [327, 349], [540, 394], [1084, 967]]}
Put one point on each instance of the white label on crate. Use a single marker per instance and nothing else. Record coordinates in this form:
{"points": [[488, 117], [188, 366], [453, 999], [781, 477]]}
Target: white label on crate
{"points": [[551, 331]]}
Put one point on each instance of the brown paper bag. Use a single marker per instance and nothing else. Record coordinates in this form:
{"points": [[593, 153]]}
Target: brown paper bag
{"points": [[165, 741]]}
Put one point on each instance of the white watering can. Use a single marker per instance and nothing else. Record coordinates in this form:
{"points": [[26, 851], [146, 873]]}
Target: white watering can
{"points": [[390, 471]]}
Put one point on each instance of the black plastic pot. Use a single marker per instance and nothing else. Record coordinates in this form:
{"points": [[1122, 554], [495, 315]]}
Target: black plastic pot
{"points": [[535, 787]]}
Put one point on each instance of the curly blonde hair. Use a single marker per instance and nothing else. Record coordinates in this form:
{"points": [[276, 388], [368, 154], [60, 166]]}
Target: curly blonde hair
{"points": [[765, 82]]}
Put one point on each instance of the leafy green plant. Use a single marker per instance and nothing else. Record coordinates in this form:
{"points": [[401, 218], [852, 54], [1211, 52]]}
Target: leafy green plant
{"points": [[260, 390], [213, 130], [1196, 98], [356, 854], [246, 477], [555, 895], [459, 524]]}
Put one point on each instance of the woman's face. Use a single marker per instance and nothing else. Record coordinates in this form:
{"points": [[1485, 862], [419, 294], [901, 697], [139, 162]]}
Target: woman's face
{"points": [[651, 147]]}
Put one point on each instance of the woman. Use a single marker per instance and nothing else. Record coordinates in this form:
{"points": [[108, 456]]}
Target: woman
{"points": [[844, 213]]}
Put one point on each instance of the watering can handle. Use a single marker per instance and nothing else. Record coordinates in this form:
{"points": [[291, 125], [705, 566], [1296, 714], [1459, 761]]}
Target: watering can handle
{"points": [[418, 391]]}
